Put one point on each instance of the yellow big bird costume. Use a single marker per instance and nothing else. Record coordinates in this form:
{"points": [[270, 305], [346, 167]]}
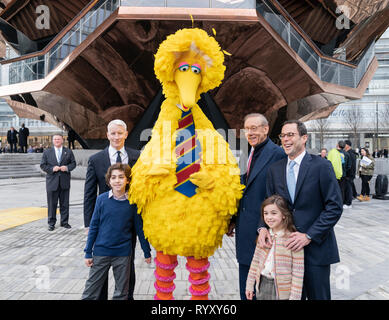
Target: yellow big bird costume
{"points": [[186, 181]]}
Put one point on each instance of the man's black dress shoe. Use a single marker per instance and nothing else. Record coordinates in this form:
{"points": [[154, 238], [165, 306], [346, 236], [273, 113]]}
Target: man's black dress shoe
{"points": [[66, 226], [51, 228]]}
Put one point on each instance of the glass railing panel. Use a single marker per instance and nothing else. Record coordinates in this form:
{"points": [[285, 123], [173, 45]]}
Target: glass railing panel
{"points": [[244, 4], [238, 4], [347, 76], [189, 3], [328, 72], [144, 3]]}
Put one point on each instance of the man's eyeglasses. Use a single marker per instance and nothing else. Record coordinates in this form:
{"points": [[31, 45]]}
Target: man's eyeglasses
{"points": [[252, 129], [289, 135]]}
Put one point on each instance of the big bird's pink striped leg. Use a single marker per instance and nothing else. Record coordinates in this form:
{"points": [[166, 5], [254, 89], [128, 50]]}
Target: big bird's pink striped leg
{"points": [[164, 275], [198, 277]]}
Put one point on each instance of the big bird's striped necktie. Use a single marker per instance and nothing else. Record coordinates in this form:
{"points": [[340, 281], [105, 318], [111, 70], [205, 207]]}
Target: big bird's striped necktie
{"points": [[188, 152]]}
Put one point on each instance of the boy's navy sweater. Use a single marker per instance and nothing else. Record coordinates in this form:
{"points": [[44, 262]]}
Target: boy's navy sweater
{"points": [[110, 230]]}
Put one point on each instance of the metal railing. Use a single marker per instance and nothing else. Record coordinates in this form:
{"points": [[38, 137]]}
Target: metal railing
{"points": [[327, 69]]}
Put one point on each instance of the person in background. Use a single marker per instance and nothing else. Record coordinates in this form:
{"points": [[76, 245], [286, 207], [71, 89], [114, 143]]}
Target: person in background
{"points": [[351, 192], [323, 153], [366, 171], [12, 139], [58, 162], [23, 138], [335, 158], [346, 167]]}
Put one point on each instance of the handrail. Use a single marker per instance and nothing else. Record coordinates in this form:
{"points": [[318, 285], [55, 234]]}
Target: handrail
{"points": [[328, 69], [296, 26], [57, 38]]}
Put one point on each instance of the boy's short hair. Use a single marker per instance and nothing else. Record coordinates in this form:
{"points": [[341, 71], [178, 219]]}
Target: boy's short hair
{"points": [[121, 167]]}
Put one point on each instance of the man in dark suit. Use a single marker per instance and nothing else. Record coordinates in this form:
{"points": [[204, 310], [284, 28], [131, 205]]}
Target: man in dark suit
{"points": [[263, 153], [350, 174], [12, 139], [57, 162], [309, 185], [23, 138], [95, 179]]}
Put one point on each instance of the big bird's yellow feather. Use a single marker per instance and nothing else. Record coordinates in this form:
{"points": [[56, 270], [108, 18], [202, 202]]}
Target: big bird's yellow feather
{"points": [[172, 222]]}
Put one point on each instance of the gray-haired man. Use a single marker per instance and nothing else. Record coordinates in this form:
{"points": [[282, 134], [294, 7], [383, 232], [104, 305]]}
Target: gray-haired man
{"points": [[95, 179]]}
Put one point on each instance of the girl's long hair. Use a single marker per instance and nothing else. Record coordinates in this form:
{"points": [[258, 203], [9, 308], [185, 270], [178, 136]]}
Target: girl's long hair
{"points": [[282, 205]]}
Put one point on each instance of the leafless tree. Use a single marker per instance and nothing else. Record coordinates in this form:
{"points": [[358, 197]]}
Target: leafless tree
{"points": [[354, 119], [321, 127], [383, 112]]}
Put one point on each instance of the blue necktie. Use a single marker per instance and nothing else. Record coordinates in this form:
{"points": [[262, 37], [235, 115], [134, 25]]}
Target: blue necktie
{"points": [[291, 180], [59, 156]]}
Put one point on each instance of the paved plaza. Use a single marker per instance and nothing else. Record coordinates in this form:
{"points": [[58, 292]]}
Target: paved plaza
{"points": [[36, 264]]}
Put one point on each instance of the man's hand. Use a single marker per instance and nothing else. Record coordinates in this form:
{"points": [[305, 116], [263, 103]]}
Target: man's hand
{"points": [[264, 239], [63, 168], [148, 260], [89, 262], [231, 228], [56, 168], [297, 241], [86, 230]]}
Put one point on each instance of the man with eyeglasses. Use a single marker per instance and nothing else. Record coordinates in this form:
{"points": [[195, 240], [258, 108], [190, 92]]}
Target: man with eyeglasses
{"points": [[309, 184], [263, 153]]}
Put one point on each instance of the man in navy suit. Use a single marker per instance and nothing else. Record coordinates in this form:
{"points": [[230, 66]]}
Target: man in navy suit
{"points": [[95, 178], [263, 153], [309, 184], [57, 162]]}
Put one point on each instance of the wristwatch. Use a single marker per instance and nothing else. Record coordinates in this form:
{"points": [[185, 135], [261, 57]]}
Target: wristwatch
{"points": [[308, 236]]}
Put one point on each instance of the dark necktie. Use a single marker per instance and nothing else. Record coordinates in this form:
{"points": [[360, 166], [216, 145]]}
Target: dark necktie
{"points": [[118, 158]]}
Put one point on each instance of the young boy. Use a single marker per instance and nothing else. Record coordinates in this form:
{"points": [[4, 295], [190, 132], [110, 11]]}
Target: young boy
{"points": [[109, 237]]}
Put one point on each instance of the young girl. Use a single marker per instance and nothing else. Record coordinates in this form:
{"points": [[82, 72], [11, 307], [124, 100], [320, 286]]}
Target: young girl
{"points": [[109, 237], [277, 272]]}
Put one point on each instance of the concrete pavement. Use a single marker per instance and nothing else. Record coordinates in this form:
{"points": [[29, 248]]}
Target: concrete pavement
{"points": [[36, 264]]}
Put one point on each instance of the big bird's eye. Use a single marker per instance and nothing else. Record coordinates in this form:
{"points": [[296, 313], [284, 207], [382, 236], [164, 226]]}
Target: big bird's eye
{"points": [[183, 67], [196, 68]]}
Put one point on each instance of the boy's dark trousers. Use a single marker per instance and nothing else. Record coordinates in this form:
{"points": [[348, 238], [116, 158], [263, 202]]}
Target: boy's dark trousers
{"points": [[99, 272], [104, 291]]}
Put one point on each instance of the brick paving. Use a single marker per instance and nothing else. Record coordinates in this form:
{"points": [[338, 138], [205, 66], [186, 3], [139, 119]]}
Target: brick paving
{"points": [[36, 264]]}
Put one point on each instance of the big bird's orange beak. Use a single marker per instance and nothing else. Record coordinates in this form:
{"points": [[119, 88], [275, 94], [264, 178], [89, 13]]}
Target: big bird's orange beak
{"points": [[187, 83]]}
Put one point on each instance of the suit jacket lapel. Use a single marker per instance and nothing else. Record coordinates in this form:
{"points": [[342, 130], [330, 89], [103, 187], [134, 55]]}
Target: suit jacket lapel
{"points": [[54, 155], [261, 162], [107, 160], [304, 168], [283, 177]]}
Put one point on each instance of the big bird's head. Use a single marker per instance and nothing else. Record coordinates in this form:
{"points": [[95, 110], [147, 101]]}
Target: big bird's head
{"points": [[187, 64]]}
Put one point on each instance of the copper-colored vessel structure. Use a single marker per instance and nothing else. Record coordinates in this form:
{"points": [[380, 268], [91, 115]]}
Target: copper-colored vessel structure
{"points": [[289, 59]]}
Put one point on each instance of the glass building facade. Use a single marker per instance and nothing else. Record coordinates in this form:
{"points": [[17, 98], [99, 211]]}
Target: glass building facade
{"points": [[366, 121]]}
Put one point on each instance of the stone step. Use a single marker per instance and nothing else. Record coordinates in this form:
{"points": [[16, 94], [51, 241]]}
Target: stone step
{"points": [[20, 175], [19, 169]]}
